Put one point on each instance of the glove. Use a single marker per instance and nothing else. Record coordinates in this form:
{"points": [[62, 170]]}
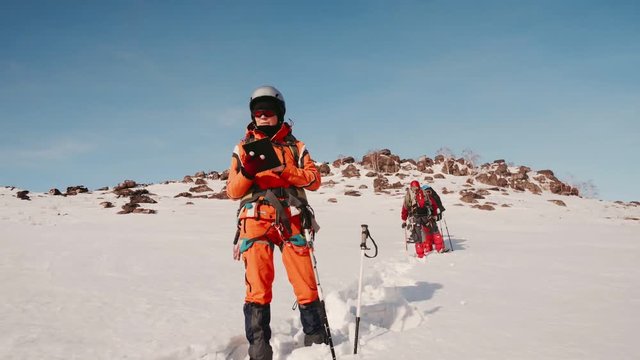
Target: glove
{"points": [[251, 164], [404, 224], [439, 216]]}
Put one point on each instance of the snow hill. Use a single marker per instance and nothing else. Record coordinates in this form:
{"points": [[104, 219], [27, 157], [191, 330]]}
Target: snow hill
{"points": [[534, 274]]}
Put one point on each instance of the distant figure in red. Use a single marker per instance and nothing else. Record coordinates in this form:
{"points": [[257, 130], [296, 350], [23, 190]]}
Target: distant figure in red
{"points": [[433, 235], [416, 208]]}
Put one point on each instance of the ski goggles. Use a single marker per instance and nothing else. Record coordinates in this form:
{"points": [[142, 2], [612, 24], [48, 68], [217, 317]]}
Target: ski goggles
{"points": [[266, 113]]}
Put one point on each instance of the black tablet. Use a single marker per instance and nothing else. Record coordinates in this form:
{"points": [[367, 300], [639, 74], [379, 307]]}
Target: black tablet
{"points": [[263, 150]]}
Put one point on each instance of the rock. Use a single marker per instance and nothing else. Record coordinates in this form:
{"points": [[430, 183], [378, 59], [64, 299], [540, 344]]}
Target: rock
{"points": [[324, 169], [184, 194], [352, 193], [381, 161], [332, 200], [371, 174], [22, 195], [483, 207], [225, 175], [187, 179], [144, 211], [424, 164], [141, 199], [344, 160], [351, 171], [199, 174], [363, 186], [106, 204], [124, 192], [470, 196], [55, 191], [201, 188], [438, 176], [201, 181], [558, 202], [222, 195], [128, 208], [503, 170], [127, 184], [75, 190], [328, 184]]}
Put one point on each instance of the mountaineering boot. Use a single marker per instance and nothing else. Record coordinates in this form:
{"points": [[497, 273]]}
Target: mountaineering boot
{"points": [[311, 315], [258, 332]]}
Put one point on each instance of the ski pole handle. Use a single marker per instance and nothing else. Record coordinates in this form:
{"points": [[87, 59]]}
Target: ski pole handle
{"points": [[364, 236]]}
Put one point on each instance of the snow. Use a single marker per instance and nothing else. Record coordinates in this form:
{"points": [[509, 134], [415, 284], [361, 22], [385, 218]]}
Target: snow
{"points": [[531, 281]]}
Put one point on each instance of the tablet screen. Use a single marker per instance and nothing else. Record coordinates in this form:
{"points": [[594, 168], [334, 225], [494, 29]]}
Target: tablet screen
{"points": [[264, 152]]}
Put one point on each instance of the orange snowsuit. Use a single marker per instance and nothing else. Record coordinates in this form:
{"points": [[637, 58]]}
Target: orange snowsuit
{"points": [[263, 226]]}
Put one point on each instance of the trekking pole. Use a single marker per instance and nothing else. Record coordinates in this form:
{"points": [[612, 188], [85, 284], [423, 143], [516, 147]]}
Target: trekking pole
{"points": [[323, 312], [363, 246], [449, 236], [406, 243]]}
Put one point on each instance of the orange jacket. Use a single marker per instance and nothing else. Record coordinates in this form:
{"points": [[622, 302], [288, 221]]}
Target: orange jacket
{"points": [[257, 218], [300, 172]]}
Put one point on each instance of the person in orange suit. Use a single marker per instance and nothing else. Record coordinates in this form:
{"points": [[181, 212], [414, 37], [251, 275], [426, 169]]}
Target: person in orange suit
{"points": [[274, 213]]}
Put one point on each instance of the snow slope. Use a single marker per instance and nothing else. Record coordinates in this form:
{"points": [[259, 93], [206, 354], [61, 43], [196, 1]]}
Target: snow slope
{"points": [[531, 281]]}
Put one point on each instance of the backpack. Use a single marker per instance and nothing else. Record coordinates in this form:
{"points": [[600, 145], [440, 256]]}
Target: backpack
{"points": [[419, 204]]}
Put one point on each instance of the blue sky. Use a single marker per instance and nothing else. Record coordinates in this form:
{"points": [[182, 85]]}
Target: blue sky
{"points": [[93, 92]]}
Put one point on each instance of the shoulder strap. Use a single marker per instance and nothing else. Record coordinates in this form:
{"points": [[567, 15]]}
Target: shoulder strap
{"points": [[292, 142]]}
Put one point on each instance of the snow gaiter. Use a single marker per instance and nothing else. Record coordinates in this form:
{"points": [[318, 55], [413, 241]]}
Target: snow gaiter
{"points": [[256, 324], [312, 326]]}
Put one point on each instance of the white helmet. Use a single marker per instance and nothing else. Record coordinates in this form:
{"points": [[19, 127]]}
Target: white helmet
{"points": [[266, 92]]}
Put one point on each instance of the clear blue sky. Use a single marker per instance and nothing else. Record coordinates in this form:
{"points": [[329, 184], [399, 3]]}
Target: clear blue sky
{"points": [[95, 92]]}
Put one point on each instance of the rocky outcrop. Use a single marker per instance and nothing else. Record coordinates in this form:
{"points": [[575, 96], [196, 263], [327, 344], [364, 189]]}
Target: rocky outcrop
{"points": [[382, 161], [470, 196], [381, 183], [456, 167], [344, 160], [75, 190], [351, 171]]}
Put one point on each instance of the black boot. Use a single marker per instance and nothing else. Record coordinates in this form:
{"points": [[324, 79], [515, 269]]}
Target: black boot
{"points": [[256, 324], [311, 315]]}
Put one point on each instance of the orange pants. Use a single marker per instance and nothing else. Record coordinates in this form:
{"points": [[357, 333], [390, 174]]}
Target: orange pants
{"points": [[259, 272]]}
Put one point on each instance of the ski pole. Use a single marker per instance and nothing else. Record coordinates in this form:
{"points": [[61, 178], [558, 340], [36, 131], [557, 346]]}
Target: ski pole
{"points": [[323, 312], [363, 246], [406, 242], [449, 236]]}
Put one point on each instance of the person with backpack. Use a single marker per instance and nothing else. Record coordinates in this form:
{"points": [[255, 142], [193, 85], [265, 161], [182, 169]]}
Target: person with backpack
{"points": [[274, 212], [417, 210], [433, 235]]}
